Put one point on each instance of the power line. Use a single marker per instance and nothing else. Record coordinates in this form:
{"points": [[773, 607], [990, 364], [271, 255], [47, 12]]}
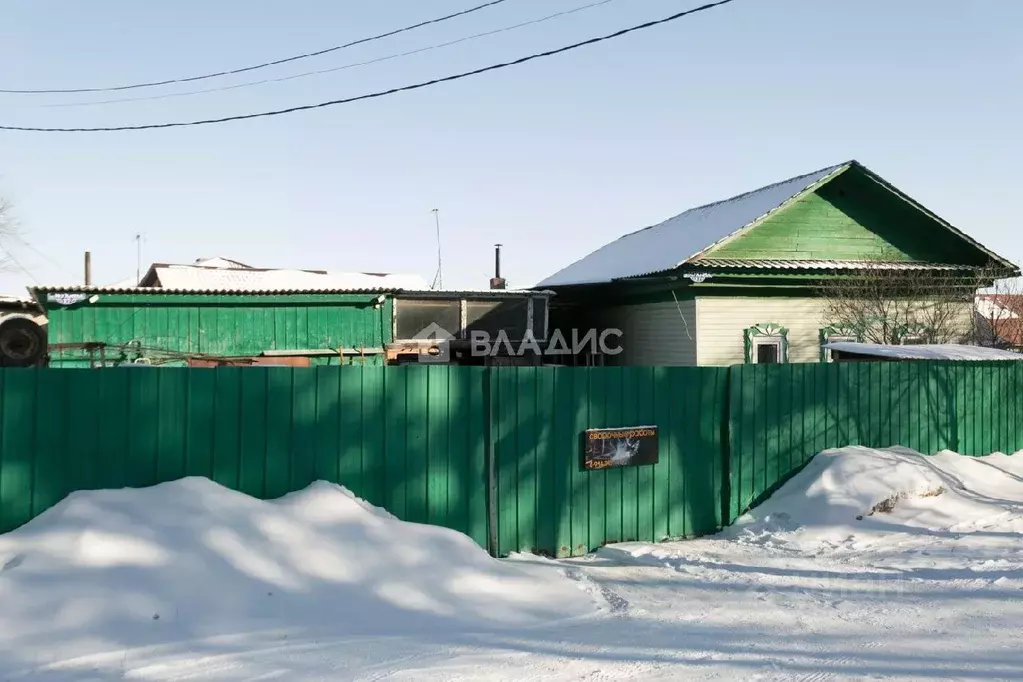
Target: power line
{"points": [[276, 62], [380, 93], [10, 255], [343, 67], [28, 246]]}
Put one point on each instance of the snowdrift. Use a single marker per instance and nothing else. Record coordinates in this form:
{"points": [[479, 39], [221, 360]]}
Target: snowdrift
{"points": [[854, 493], [108, 570]]}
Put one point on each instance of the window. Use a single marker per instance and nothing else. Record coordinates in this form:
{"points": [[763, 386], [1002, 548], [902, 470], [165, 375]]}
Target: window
{"points": [[413, 318], [493, 317], [836, 339], [767, 352], [766, 344], [836, 334]]}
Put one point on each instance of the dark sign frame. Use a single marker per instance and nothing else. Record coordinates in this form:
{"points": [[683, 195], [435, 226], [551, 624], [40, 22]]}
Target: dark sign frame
{"points": [[619, 447]]}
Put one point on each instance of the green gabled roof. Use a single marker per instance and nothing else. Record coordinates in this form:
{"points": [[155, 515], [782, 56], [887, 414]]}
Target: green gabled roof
{"points": [[716, 232]]}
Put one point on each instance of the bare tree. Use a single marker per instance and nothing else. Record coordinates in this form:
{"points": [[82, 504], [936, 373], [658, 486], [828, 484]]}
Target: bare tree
{"points": [[998, 315], [887, 304]]}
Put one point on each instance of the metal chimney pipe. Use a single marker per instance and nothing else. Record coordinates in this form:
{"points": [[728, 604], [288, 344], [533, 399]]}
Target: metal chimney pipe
{"points": [[88, 269], [497, 282]]}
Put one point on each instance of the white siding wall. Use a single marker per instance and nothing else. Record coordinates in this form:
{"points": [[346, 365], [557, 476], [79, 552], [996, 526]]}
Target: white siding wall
{"points": [[724, 319], [655, 333]]}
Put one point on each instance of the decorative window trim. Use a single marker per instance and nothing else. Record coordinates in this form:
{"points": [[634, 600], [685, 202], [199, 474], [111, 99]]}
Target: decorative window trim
{"points": [[835, 332], [766, 331], [915, 333]]}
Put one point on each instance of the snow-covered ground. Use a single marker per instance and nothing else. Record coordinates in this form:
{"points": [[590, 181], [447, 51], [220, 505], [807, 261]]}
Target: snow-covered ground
{"points": [[867, 565]]}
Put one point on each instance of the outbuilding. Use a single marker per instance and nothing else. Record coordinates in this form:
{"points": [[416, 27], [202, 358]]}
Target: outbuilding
{"points": [[869, 352]]}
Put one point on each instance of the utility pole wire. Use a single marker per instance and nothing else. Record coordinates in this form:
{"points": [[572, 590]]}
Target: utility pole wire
{"points": [[244, 69], [333, 69], [381, 93]]}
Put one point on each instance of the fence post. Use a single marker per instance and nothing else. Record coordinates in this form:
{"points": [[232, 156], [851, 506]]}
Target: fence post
{"points": [[726, 450], [488, 441]]}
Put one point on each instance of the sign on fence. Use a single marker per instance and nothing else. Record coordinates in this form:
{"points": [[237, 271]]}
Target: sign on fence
{"points": [[621, 447]]}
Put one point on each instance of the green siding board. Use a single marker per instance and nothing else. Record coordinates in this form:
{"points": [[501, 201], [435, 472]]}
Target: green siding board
{"points": [[851, 218], [216, 325]]}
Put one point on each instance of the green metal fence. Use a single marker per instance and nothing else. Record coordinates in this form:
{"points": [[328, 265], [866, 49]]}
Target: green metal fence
{"points": [[547, 502], [406, 439], [782, 415], [494, 453]]}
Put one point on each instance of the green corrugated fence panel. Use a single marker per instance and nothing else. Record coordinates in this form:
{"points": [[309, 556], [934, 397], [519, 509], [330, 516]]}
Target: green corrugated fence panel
{"points": [[781, 416], [409, 439], [548, 504], [413, 439]]}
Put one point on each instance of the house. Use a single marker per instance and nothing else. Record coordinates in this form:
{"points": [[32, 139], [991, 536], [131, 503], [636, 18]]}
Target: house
{"points": [[1000, 320], [219, 311], [741, 280], [873, 352]]}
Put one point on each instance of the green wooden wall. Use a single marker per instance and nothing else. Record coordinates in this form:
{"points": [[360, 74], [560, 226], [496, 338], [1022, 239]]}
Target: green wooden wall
{"points": [[163, 324], [851, 218], [491, 452]]}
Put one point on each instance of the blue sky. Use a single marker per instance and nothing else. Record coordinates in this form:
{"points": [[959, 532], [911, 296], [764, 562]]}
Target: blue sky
{"points": [[553, 158]]}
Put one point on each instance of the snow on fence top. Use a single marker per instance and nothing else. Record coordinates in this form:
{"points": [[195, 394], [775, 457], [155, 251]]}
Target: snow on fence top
{"points": [[943, 351]]}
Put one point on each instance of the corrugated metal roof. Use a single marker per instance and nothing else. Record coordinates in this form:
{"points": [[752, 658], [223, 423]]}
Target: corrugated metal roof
{"points": [[732, 263], [943, 351], [157, 291], [669, 244], [209, 278]]}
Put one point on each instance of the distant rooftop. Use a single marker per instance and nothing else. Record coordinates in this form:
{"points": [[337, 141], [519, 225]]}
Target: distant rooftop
{"points": [[225, 274]]}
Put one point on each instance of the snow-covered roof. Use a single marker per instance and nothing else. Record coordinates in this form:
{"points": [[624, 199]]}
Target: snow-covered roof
{"points": [[667, 245], [201, 278], [220, 262], [687, 237], [943, 351]]}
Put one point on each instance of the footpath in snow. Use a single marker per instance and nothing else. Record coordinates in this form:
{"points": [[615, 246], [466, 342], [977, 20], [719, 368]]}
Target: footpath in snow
{"points": [[869, 564]]}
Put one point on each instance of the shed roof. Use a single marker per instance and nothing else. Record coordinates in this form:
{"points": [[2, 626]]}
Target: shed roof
{"points": [[943, 351], [42, 291], [684, 238], [221, 278]]}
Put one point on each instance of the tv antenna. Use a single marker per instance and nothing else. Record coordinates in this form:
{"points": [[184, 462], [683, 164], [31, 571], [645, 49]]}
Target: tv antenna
{"points": [[438, 280]]}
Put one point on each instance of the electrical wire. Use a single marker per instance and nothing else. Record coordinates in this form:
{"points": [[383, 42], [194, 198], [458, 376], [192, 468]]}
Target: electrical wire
{"points": [[42, 254], [8, 254], [334, 69], [263, 65], [380, 93]]}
